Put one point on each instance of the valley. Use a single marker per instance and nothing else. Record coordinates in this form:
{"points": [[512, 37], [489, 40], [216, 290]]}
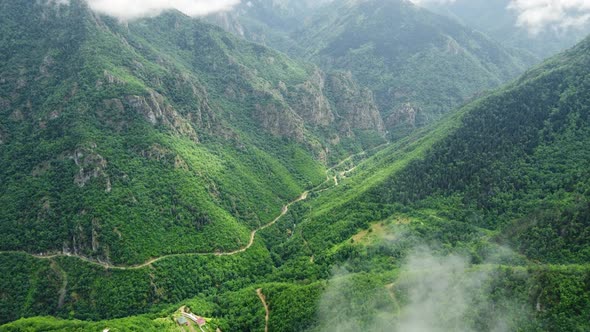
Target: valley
{"points": [[284, 210], [279, 165]]}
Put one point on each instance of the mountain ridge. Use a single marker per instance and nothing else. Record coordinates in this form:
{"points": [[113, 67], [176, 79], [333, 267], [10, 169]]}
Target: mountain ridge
{"points": [[419, 64], [139, 108], [129, 147]]}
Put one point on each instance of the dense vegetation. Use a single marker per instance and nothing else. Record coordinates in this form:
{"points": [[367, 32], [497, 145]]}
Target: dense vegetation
{"points": [[419, 65], [520, 153], [127, 142], [166, 135]]}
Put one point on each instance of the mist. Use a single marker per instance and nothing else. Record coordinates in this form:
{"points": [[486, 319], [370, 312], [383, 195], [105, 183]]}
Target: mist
{"points": [[432, 2], [431, 294], [537, 15], [134, 9]]}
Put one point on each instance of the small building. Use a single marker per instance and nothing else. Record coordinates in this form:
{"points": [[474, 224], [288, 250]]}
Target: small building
{"points": [[200, 321], [182, 321]]}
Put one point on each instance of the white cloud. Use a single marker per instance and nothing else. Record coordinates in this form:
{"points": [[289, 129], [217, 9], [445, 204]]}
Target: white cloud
{"points": [[431, 2], [132, 9], [537, 15]]}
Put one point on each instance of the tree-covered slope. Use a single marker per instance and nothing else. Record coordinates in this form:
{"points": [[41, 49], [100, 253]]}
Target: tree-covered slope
{"points": [[514, 163], [269, 22], [122, 142], [518, 162], [503, 183], [419, 65], [498, 190]]}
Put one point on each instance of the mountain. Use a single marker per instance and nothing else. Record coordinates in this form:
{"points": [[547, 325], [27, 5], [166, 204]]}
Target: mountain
{"points": [[497, 20], [509, 170], [432, 188], [513, 163], [122, 142], [268, 22], [419, 65], [162, 166]]}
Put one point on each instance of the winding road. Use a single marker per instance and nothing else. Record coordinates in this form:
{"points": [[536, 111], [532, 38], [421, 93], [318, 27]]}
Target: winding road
{"points": [[266, 309], [284, 211]]}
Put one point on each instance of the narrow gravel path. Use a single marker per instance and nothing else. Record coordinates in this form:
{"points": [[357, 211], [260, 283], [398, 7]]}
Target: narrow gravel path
{"points": [[284, 211], [263, 300]]}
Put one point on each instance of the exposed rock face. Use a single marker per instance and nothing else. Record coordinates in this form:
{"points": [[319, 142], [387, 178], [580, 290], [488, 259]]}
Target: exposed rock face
{"points": [[85, 239], [200, 114], [228, 22], [4, 104], [195, 109], [309, 101], [274, 115], [46, 66], [156, 110], [355, 106], [333, 102], [151, 107], [403, 115], [453, 47], [91, 165]]}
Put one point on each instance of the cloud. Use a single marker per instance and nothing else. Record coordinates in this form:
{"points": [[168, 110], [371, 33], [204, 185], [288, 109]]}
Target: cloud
{"points": [[538, 15], [133, 9], [432, 293], [431, 2]]}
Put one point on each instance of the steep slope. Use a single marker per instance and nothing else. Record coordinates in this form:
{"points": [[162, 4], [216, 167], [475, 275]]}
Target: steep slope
{"points": [[514, 162], [419, 65], [269, 22], [520, 153], [502, 183], [290, 98], [508, 168], [124, 142]]}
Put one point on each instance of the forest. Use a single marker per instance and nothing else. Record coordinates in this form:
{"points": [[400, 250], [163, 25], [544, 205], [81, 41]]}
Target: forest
{"points": [[165, 166]]}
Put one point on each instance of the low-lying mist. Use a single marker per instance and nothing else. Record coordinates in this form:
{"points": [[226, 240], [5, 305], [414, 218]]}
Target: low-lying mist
{"points": [[431, 293]]}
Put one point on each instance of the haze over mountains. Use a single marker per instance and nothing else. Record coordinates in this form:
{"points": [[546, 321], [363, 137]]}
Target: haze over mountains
{"points": [[301, 166], [541, 28], [418, 64]]}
